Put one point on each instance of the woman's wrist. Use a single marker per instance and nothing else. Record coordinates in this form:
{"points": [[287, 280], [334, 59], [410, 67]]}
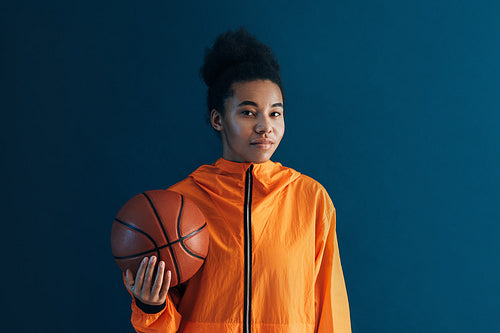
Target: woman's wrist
{"points": [[148, 308]]}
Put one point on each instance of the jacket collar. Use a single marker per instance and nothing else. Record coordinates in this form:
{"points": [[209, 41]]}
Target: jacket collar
{"points": [[271, 175], [242, 167], [268, 176]]}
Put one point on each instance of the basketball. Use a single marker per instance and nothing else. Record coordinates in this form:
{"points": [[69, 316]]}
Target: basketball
{"points": [[165, 224]]}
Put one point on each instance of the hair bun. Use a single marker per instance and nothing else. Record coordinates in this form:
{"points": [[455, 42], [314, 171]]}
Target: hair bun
{"points": [[232, 49]]}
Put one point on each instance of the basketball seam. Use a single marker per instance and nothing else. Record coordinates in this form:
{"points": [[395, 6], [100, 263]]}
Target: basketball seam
{"points": [[189, 235], [172, 254], [179, 222], [142, 232], [157, 248]]}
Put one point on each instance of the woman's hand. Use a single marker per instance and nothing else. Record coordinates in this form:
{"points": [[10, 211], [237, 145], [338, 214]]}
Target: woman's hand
{"points": [[143, 288]]}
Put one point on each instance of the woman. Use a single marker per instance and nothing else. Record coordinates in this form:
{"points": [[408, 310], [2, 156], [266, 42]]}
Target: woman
{"points": [[273, 264]]}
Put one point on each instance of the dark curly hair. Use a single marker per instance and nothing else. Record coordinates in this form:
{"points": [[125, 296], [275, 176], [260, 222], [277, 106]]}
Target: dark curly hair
{"points": [[236, 57]]}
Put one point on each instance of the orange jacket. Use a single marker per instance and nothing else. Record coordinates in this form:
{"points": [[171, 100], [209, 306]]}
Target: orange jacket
{"points": [[273, 263]]}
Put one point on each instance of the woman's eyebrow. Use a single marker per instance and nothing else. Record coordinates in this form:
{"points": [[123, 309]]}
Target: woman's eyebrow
{"points": [[255, 104], [247, 103]]}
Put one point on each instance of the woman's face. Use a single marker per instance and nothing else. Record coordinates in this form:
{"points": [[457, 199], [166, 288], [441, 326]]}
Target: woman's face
{"points": [[253, 124]]}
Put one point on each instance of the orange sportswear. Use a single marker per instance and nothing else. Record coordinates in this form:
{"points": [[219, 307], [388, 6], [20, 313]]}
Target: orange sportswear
{"points": [[273, 263]]}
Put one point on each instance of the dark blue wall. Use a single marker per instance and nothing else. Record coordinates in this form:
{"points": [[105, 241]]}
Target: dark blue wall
{"points": [[392, 105]]}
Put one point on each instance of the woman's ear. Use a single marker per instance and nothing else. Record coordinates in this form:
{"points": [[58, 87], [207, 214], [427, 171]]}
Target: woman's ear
{"points": [[216, 120]]}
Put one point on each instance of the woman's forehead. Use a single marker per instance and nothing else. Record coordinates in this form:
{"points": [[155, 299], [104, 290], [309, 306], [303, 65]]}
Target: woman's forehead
{"points": [[258, 92]]}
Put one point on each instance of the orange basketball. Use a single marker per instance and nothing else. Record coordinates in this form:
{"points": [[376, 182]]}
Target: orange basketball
{"points": [[164, 224]]}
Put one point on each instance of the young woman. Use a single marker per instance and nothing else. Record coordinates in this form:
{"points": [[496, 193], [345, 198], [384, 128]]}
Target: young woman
{"points": [[273, 263]]}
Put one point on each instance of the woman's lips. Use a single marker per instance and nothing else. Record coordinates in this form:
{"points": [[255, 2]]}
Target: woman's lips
{"points": [[262, 144]]}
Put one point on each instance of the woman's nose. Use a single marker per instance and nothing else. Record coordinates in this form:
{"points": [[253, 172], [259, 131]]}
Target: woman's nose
{"points": [[263, 126]]}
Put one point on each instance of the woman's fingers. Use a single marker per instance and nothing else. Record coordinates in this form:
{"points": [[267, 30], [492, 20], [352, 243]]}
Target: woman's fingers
{"points": [[129, 279], [155, 291], [139, 279], [166, 286], [149, 271], [144, 288]]}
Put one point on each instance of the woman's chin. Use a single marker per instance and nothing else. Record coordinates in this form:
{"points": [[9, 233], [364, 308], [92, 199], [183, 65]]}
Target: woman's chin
{"points": [[260, 159]]}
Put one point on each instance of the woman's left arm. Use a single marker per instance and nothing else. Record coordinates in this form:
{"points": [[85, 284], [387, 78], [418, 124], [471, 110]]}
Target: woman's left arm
{"points": [[332, 306]]}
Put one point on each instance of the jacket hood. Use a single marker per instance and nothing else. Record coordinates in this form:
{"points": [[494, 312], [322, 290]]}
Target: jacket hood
{"points": [[223, 177]]}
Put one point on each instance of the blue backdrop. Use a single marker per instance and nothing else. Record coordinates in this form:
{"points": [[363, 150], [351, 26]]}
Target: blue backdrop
{"points": [[392, 105]]}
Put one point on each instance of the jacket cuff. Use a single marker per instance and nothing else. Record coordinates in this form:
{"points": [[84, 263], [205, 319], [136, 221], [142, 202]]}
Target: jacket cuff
{"points": [[149, 309]]}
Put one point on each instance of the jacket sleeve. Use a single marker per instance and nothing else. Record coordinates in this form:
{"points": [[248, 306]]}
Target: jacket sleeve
{"points": [[332, 306], [167, 320]]}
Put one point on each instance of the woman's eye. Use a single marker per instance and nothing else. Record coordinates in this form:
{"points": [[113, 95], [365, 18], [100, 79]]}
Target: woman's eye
{"points": [[247, 113], [275, 114]]}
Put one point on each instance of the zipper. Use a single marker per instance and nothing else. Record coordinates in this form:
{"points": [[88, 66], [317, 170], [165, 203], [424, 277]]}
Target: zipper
{"points": [[247, 221]]}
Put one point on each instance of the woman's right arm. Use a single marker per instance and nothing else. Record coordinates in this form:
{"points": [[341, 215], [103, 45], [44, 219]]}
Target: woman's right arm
{"points": [[152, 308]]}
